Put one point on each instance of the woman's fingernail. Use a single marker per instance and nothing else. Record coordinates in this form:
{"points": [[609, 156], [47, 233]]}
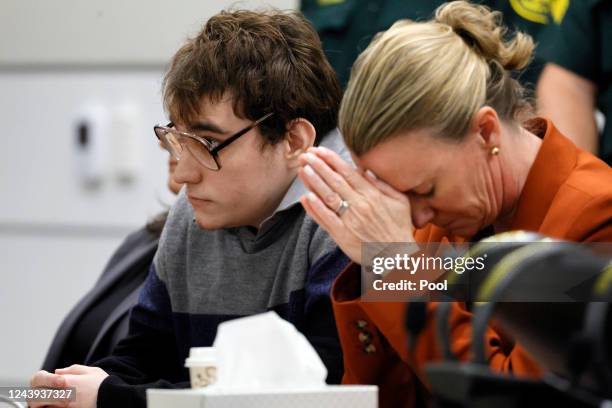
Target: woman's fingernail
{"points": [[308, 170], [311, 197], [310, 158], [369, 173]]}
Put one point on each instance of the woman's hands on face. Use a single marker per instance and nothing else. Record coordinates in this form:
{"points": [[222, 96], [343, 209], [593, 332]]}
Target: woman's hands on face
{"points": [[376, 212]]}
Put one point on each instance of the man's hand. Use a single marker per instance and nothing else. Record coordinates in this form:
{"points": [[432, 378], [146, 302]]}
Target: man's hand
{"points": [[86, 380], [45, 379]]}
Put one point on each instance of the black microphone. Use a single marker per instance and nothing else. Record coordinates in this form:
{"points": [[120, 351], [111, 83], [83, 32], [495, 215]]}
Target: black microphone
{"points": [[415, 321]]}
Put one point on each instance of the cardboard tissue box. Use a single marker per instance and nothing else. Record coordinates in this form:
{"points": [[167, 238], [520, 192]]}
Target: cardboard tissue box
{"points": [[263, 361], [331, 396]]}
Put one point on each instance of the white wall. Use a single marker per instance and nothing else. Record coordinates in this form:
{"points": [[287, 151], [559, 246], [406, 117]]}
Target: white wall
{"points": [[104, 31], [56, 58]]}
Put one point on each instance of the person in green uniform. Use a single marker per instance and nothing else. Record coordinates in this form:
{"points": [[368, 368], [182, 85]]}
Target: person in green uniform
{"points": [[578, 78], [346, 27]]}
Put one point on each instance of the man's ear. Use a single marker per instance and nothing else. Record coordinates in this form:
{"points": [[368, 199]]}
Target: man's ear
{"points": [[300, 136], [487, 125]]}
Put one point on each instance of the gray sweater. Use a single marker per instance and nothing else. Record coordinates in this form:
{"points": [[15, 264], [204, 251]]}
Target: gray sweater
{"points": [[200, 278]]}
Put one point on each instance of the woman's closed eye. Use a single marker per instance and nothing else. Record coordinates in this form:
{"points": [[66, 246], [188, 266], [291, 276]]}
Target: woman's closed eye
{"points": [[429, 193], [421, 192]]}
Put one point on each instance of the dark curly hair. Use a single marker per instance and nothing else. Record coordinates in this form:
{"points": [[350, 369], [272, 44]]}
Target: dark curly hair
{"points": [[270, 61]]}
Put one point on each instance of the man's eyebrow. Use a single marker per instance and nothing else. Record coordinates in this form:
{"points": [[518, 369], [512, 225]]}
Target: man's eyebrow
{"points": [[207, 127]]}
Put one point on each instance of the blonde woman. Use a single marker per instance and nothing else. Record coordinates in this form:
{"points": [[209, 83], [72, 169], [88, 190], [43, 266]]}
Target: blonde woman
{"points": [[445, 149]]}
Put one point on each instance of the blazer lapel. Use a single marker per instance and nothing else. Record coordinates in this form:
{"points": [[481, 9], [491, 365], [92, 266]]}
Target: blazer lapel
{"points": [[118, 313], [126, 304], [136, 249]]}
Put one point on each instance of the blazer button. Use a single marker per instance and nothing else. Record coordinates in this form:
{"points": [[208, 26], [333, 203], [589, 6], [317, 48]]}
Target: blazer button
{"points": [[365, 337], [370, 349], [362, 324]]}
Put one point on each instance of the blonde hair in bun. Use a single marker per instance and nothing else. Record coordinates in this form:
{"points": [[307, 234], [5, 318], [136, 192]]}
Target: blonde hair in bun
{"points": [[483, 31], [435, 74]]}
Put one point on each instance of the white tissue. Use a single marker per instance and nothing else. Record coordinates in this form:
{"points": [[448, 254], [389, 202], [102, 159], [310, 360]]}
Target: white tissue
{"points": [[265, 352]]}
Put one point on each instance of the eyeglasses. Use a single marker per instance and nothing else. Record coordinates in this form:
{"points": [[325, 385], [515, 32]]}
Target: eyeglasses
{"points": [[205, 151]]}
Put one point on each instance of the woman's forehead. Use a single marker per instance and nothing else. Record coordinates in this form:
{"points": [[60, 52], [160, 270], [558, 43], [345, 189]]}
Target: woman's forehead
{"points": [[411, 150], [397, 170]]}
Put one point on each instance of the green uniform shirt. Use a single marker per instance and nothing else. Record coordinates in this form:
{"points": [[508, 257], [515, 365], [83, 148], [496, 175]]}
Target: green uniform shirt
{"points": [[346, 27], [584, 45]]}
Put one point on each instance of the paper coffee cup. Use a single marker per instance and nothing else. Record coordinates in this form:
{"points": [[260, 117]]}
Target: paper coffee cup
{"points": [[202, 364]]}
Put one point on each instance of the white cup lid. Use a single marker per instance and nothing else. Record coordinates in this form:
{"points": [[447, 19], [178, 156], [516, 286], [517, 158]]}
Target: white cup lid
{"points": [[200, 356], [202, 352]]}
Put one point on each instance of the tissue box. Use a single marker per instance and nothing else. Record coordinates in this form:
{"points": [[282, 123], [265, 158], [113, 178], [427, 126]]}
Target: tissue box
{"points": [[333, 396]]}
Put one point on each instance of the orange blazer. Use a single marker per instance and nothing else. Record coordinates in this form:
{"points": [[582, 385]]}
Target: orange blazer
{"points": [[567, 195]]}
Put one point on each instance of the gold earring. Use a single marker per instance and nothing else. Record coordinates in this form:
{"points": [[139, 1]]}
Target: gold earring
{"points": [[495, 151]]}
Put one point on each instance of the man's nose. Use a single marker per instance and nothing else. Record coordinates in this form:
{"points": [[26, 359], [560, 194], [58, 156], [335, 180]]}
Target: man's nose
{"points": [[188, 169]]}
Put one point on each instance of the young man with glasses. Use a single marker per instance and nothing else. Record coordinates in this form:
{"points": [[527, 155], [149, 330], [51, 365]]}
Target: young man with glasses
{"points": [[246, 97]]}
